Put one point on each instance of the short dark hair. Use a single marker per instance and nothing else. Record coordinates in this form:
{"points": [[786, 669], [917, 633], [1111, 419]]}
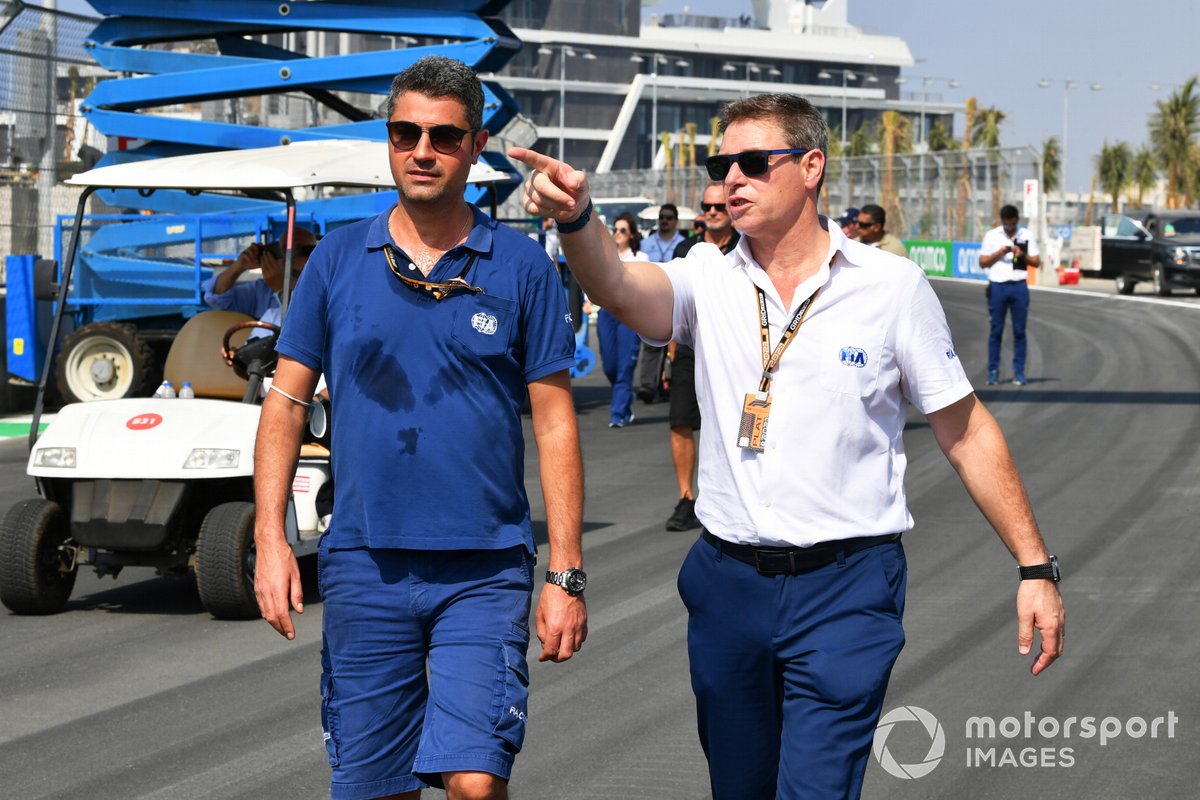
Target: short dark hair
{"points": [[438, 76], [1010, 212], [802, 123], [876, 213], [669, 207]]}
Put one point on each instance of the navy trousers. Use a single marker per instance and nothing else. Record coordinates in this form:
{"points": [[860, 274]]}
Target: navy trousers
{"points": [[1010, 296], [619, 347], [790, 671]]}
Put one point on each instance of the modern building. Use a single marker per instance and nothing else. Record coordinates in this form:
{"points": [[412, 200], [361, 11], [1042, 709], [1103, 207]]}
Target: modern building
{"points": [[603, 81]]}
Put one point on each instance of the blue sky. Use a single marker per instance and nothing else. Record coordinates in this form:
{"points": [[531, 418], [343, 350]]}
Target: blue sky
{"points": [[999, 51]]}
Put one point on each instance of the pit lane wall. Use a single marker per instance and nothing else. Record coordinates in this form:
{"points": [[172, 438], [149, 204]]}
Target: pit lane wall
{"points": [[947, 259]]}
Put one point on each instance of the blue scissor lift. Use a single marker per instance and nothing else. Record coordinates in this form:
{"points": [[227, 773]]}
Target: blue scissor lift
{"points": [[138, 274]]}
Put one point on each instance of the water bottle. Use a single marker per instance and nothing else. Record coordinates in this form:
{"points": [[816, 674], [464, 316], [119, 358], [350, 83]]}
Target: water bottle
{"points": [[166, 391], [186, 392]]}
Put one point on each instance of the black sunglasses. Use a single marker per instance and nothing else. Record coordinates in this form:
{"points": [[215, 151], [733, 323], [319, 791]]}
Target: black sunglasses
{"points": [[865, 223], [445, 139], [666, 218], [620, 230], [276, 249], [751, 162], [706, 207]]}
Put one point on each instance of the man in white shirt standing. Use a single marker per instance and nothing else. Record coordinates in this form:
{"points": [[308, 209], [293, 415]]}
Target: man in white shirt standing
{"points": [[1007, 252], [795, 589]]}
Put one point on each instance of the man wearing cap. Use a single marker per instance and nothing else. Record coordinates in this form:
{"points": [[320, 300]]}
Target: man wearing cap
{"points": [[849, 223]]}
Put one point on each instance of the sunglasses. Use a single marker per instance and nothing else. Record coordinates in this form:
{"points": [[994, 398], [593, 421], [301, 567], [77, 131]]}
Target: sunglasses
{"points": [[865, 223], [276, 249], [707, 207], [666, 219], [621, 230], [438, 290], [751, 162], [445, 139]]}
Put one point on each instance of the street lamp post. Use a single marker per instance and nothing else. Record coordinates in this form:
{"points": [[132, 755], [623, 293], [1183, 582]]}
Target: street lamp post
{"points": [[655, 60], [751, 67], [1068, 85], [926, 81], [847, 76], [565, 51]]}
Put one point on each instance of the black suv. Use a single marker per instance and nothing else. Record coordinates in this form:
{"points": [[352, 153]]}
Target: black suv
{"points": [[1162, 247]]}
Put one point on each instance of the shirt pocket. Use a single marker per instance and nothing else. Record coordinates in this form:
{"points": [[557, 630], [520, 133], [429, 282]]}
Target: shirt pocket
{"points": [[851, 359], [484, 324]]}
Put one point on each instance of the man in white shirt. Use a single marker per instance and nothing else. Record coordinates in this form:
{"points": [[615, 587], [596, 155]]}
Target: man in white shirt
{"points": [[795, 589], [1006, 253]]}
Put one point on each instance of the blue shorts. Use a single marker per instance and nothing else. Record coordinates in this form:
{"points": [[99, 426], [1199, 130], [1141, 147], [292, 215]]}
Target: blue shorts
{"points": [[389, 616]]}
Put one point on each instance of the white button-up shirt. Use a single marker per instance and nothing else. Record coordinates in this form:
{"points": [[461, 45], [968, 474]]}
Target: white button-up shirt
{"points": [[994, 241], [874, 340]]}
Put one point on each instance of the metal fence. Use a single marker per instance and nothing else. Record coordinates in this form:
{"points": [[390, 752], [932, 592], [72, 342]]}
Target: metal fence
{"points": [[953, 195]]}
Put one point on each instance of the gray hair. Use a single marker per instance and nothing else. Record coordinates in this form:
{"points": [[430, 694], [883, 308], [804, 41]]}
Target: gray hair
{"points": [[437, 77]]}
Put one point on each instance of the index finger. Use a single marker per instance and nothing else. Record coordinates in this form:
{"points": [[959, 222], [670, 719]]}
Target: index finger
{"points": [[560, 172]]}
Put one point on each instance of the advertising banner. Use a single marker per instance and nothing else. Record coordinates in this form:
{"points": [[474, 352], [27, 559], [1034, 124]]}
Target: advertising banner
{"points": [[933, 257]]}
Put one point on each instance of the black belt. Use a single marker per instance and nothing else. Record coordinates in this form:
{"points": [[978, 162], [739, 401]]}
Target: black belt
{"points": [[794, 560]]}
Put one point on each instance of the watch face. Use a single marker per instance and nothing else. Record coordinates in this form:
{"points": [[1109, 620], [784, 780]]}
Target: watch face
{"points": [[576, 581]]}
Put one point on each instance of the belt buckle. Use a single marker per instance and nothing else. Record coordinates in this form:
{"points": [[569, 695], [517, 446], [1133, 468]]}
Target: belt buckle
{"points": [[764, 569]]}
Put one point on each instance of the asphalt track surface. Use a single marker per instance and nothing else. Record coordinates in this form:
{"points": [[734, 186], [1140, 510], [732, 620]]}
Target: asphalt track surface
{"points": [[135, 692]]}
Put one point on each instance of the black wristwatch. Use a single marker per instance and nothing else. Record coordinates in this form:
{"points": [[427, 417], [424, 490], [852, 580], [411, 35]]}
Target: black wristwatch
{"points": [[1047, 571], [573, 580]]}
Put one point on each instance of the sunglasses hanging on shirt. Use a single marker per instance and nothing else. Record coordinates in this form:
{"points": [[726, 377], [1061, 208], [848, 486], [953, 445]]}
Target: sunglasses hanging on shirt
{"points": [[439, 291]]}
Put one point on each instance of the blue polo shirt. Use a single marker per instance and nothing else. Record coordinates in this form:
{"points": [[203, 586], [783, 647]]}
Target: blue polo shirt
{"points": [[428, 451]]}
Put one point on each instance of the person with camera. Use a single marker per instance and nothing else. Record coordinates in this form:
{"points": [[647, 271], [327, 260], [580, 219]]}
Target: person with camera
{"points": [[1007, 253], [260, 298]]}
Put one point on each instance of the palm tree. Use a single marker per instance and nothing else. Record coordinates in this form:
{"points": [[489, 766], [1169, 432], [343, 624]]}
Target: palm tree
{"points": [[1145, 173], [1051, 164], [985, 130], [964, 182], [895, 136], [985, 133], [939, 138], [1173, 130], [1114, 169]]}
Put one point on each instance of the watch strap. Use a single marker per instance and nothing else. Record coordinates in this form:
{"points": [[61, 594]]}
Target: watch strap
{"points": [[579, 222], [1047, 571]]}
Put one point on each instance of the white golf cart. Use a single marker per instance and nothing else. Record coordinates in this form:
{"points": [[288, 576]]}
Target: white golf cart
{"points": [[169, 483]]}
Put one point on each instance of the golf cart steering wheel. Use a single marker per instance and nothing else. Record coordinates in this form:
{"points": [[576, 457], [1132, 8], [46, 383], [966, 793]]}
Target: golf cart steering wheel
{"points": [[231, 353]]}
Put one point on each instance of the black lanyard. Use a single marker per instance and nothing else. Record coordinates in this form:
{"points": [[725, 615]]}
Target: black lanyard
{"points": [[770, 358]]}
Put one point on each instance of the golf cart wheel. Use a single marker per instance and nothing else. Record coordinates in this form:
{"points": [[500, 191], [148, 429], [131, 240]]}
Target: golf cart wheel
{"points": [[1125, 284], [35, 577], [225, 562], [104, 361]]}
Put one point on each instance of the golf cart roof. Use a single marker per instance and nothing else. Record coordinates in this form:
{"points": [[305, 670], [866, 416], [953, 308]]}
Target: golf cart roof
{"points": [[321, 162]]}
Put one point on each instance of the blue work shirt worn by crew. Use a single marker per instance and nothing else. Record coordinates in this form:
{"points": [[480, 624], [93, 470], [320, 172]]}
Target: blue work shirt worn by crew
{"points": [[428, 451]]}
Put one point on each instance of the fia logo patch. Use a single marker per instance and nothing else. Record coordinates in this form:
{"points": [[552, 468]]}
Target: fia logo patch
{"points": [[853, 357], [485, 323]]}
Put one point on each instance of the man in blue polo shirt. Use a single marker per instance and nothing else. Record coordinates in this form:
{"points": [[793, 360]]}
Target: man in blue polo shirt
{"points": [[430, 322]]}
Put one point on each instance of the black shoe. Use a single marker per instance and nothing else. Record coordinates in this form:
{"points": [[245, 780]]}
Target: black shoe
{"points": [[684, 517]]}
